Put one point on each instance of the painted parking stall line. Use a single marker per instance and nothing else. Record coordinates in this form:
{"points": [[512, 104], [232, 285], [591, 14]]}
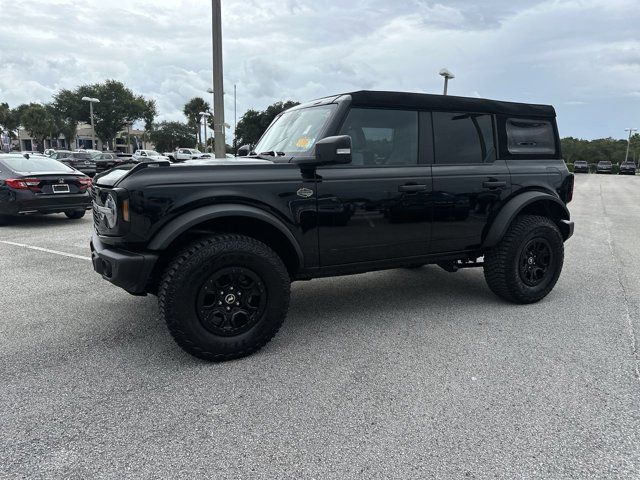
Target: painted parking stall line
{"points": [[47, 250]]}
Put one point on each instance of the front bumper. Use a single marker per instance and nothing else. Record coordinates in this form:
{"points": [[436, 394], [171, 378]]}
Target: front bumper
{"points": [[128, 270]]}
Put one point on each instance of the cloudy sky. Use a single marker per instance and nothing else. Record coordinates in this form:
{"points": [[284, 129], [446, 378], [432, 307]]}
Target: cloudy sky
{"points": [[582, 56]]}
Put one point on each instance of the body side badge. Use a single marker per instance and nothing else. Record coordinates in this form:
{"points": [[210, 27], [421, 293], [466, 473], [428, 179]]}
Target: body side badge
{"points": [[304, 192]]}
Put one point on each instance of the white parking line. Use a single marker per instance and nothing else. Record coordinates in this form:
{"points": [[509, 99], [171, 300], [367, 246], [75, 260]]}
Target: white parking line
{"points": [[40, 249]]}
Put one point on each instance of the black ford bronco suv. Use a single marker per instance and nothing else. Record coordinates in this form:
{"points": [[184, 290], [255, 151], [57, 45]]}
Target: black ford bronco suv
{"points": [[342, 185]]}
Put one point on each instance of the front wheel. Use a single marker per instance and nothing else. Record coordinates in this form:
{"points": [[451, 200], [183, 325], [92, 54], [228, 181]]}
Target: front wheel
{"points": [[526, 264], [224, 297]]}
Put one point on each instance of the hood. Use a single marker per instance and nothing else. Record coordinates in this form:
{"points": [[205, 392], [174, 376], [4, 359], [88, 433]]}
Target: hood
{"points": [[112, 177]]}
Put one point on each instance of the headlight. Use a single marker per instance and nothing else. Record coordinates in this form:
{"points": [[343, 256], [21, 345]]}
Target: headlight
{"points": [[109, 213]]}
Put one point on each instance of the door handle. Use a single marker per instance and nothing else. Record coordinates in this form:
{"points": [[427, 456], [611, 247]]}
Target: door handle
{"points": [[412, 188], [491, 184]]}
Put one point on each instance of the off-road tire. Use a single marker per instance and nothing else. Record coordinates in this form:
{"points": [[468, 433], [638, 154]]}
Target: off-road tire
{"points": [[75, 214], [187, 273], [502, 263]]}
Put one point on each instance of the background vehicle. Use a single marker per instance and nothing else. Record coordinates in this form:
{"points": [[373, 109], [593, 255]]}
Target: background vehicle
{"points": [[580, 166], [342, 185], [41, 185], [146, 155], [105, 161], [627, 168], [182, 154], [81, 161], [604, 166]]}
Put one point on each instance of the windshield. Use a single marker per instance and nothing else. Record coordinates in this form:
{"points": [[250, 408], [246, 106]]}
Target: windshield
{"points": [[34, 165], [296, 131], [152, 153]]}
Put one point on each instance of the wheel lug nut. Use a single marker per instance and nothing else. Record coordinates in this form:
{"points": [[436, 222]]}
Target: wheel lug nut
{"points": [[219, 303], [228, 308], [239, 293], [221, 292], [230, 288], [238, 303]]}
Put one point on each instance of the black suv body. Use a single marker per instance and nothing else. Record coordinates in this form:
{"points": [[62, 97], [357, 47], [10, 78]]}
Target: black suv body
{"points": [[342, 185]]}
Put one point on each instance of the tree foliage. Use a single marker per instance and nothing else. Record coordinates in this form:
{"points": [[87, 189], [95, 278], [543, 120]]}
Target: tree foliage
{"points": [[192, 111], [593, 151], [253, 123], [167, 136], [38, 121]]}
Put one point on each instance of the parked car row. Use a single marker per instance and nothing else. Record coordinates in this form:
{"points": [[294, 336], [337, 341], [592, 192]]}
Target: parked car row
{"points": [[605, 166]]}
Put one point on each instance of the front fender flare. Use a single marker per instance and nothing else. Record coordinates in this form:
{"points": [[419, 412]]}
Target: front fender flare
{"points": [[184, 222], [516, 205]]}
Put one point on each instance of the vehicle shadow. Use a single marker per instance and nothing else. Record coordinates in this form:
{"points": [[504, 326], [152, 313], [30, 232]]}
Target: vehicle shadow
{"points": [[54, 220]]}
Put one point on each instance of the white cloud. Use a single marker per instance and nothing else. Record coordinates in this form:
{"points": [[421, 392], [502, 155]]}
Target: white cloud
{"points": [[564, 52]]}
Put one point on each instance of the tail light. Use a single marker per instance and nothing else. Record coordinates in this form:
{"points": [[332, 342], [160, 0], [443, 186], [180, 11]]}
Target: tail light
{"points": [[85, 183], [571, 181], [32, 184]]}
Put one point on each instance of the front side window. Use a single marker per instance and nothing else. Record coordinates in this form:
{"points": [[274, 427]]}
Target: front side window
{"points": [[463, 138], [530, 137], [382, 137], [295, 131]]}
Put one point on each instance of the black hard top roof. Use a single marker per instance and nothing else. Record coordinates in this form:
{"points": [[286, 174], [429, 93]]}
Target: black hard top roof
{"points": [[424, 101]]}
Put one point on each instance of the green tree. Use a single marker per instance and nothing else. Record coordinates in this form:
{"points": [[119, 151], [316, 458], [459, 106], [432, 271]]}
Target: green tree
{"points": [[118, 107], [166, 136], [253, 123], [69, 109], [38, 121], [192, 111]]}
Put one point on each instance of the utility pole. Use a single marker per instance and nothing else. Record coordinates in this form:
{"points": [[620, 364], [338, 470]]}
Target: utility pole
{"points": [[235, 115], [218, 80], [630, 130], [204, 116], [447, 76], [93, 129]]}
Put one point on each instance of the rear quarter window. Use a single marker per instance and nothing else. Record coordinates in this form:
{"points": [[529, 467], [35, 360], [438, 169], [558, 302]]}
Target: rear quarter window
{"points": [[530, 137]]}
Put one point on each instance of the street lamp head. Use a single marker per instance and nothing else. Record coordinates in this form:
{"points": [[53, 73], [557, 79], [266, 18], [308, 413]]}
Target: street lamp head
{"points": [[89, 99], [446, 74], [209, 90], [204, 114]]}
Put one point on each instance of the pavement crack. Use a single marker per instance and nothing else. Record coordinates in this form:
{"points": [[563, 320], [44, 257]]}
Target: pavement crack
{"points": [[635, 350]]}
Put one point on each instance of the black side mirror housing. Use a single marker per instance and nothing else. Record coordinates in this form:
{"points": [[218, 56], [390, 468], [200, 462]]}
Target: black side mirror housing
{"points": [[329, 151], [244, 151]]}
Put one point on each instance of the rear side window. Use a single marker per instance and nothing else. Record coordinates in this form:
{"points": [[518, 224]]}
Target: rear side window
{"points": [[382, 137], [530, 137], [463, 138]]}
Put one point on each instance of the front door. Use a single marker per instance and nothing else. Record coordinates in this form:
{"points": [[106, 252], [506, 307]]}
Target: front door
{"points": [[468, 180], [379, 206]]}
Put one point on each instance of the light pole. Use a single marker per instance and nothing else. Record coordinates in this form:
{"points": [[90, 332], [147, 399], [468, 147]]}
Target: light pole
{"points": [[205, 115], [218, 80], [630, 130], [93, 128], [447, 76]]}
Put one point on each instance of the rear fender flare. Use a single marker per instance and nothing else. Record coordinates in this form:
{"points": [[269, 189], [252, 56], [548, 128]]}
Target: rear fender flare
{"points": [[516, 205]]}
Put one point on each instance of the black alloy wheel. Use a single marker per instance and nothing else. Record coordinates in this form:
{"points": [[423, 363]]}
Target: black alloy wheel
{"points": [[231, 301]]}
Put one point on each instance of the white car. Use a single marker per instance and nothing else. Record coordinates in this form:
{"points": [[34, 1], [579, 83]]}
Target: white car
{"points": [[182, 154], [145, 155]]}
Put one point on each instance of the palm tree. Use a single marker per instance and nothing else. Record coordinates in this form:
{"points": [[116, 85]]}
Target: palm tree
{"points": [[192, 111]]}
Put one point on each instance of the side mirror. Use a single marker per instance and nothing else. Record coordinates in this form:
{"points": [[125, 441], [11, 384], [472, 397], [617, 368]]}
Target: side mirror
{"points": [[329, 151], [244, 151]]}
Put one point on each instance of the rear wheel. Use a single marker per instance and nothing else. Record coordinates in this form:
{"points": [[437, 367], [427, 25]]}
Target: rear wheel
{"points": [[75, 214], [224, 297], [526, 264]]}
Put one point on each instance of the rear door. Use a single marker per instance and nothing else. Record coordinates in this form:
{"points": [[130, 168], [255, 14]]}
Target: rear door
{"points": [[468, 179], [379, 206]]}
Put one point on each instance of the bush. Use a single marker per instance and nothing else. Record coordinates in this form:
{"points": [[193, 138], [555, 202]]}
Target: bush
{"points": [[571, 167]]}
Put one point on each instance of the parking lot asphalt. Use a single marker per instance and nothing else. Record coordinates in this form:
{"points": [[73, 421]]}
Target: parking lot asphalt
{"points": [[397, 374]]}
